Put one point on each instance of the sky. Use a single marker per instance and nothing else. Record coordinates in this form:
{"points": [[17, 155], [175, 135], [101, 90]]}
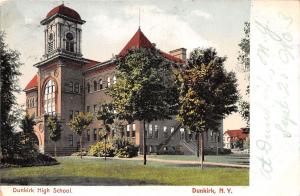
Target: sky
{"points": [[170, 24]]}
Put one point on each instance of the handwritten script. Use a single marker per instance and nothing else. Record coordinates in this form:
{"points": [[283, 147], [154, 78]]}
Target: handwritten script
{"points": [[275, 79]]}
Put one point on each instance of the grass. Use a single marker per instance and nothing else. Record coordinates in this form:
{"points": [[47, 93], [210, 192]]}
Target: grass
{"points": [[73, 171], [241, 159]]}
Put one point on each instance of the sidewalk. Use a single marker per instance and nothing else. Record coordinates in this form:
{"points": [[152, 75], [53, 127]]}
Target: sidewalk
{"points": [[183, 162]]}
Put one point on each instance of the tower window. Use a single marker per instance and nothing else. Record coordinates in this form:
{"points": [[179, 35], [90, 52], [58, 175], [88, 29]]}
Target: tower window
{"points": [[50, 42], [49, 97], [70, 42]]}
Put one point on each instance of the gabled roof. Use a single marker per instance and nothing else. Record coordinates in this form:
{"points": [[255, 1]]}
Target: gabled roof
{"points": [[139, 40], [238, 133], [32, 84]]}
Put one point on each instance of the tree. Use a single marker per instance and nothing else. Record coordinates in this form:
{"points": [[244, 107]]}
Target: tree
{"points": [[55, 129], [80, 123], [144, 90], [207, 93], [244, 61], [9, 73], [28, 137], [106, 115]]}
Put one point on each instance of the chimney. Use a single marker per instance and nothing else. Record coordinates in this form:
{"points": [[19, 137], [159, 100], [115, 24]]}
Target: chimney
{"points": [[179, 53]]}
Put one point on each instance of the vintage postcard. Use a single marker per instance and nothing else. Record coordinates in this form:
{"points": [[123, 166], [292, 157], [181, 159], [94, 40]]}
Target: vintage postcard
{"points": [[180, 97]]}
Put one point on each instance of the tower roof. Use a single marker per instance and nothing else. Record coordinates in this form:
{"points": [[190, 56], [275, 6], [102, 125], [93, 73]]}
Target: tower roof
{"points": [[63, 11], [139, 40]]}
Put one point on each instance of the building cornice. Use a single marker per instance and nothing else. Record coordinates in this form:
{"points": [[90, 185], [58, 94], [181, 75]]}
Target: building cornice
{"points": [[57, 55]]}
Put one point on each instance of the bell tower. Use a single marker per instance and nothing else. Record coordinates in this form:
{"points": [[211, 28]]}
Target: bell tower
{"points": [[62, 32]]}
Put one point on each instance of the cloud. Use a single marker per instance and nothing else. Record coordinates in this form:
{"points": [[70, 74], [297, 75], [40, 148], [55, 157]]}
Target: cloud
{"points": [[201, 14], [109, 32]]}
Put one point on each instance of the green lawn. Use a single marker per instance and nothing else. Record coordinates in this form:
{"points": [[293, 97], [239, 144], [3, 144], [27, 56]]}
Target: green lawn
{"points": [[241, 159], [89, 171]]}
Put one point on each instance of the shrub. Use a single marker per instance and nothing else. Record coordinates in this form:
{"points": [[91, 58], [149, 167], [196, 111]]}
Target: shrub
{"points": [[125, 148], [37, 160], [99, 150]]}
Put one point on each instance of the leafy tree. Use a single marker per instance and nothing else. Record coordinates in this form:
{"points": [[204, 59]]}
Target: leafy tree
{"points": [[144, 90], [207, 93], [244, 61], [9, 73], [27, 138], [80, 123], [54, 129], [106, 115]]}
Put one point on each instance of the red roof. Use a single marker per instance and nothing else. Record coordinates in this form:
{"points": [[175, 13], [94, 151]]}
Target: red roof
{"points": [[139, 40], [171, 58], [32, 83], [65, 11], [238, 134]]}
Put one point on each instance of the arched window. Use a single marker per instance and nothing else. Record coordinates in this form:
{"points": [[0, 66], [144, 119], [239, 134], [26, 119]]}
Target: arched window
{"points": [[70, 42], [100, 84], [49, 97], [50, 42], [95, 85], [88, 87]]}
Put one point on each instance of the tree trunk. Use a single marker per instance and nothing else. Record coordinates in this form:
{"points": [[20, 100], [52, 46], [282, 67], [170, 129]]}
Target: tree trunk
{"points": [[144, 145], [202, 149], [81, 146], [55, 149], [105, 146], [217, 144], [198, 143]]}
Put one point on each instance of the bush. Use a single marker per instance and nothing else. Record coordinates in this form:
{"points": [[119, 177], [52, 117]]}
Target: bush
{"points": [[37, 160], [99, 150], [125, 148]]}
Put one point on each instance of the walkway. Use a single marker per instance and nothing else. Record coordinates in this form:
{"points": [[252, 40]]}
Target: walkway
{"points": [[183, 162]]}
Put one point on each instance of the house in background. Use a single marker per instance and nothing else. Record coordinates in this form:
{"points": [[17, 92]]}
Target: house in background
{"points": [[236, 138]]}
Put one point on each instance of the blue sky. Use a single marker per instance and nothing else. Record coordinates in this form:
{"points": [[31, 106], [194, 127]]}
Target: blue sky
{"points": [[110, 24]]}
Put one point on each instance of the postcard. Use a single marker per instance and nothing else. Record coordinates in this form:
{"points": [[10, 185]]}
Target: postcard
{"points": [[167, 97]]}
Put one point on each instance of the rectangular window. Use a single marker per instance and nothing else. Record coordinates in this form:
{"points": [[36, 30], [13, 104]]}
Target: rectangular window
{"points": [[155, 131], [114, 80], [165, 131], [95, 134], [88, 135], [150, 131], [95, 108], [87, 108], [108, 81], [70, 140], [128, 131], [70, 114], [133, 130], [76, 87]]}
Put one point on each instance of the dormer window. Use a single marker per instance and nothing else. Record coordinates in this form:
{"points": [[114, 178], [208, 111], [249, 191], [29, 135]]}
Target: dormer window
{"points": [[70, 42]]}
